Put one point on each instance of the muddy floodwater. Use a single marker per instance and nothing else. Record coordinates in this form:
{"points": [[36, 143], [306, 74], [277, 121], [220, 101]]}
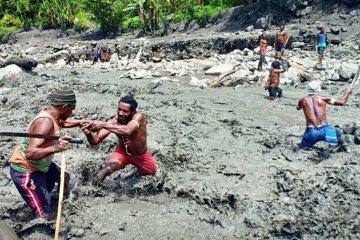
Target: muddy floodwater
{"points": [[226, 169]]}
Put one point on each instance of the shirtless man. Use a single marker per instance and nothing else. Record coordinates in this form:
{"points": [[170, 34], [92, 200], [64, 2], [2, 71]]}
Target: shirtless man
{"points": [[280, 39], [314, 107], [263, 51], [272, 84], [130, 128]]}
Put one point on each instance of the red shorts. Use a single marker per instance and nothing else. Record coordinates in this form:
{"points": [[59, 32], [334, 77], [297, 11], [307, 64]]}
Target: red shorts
{"points": [[144, 162]]}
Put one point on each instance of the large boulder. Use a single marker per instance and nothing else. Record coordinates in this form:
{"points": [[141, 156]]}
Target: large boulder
{"points": [[114, 58], [10, 71], [348, 70], [217, 70], [25, 63]]}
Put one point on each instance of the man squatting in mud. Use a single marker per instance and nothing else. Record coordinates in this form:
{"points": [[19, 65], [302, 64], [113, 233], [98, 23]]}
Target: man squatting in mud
{"points": [[314, 107], [32, 170], [272, 84], [130, 128]]}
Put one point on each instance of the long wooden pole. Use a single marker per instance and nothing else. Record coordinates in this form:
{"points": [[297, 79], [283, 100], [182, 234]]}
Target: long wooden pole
{"points": [[356, 77], [61, 195]]}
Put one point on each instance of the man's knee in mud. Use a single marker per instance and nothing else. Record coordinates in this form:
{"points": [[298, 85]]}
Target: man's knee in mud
{"points": [[113, 167]]}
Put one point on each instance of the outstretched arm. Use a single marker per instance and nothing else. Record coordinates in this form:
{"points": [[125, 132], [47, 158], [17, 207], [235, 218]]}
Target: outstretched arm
{"points": [[71, 122], [121, 130], [341, 101], [99, 136]]}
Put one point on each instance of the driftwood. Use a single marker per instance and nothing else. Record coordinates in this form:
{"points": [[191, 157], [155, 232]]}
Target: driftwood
{"points": [[222, 78]]}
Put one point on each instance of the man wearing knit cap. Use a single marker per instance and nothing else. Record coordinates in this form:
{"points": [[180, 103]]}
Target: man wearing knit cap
{"points": [[32, 170], [314, 107]]}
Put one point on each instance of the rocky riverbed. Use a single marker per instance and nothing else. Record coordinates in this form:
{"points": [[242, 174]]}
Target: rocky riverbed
{"points": [[226, 168]]}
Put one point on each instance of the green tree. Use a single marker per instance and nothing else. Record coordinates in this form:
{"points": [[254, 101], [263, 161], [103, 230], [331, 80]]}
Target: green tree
{"points": [[108, 13]]}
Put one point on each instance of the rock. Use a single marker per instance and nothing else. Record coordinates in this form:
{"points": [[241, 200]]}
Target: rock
{"points": [[138, 74], [304, 12], [217, 70], [349, 138], [261, 23], [3, 99], [114, 58], [10, 71], [154, 84], [193, 26], [91, 110], [344, 29], [197, 82], [336, 41], [156, 59], [240, 75], [5, 91], [348, 70], [353, 13], [248, 52], [357, 136], [61, 62], [335, 30], [31, 50], [297, 44], [205, 64], [349, 128], [249, 28], [25, 63]]}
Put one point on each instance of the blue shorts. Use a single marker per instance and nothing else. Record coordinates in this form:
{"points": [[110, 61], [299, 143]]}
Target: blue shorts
{"points": [[34, 188], [279, 47], [313, 135]]}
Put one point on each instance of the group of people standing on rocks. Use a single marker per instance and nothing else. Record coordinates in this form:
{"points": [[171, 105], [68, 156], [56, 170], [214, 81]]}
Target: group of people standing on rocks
{"points": [[32, 170], [93, 54], [313, 105]]}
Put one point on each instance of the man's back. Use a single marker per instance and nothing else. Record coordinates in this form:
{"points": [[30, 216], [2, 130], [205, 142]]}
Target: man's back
{"points": [[308, 103]]}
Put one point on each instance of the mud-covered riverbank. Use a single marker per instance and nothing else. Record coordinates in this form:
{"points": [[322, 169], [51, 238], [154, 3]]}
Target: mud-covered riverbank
{"points": [[226, 166]]}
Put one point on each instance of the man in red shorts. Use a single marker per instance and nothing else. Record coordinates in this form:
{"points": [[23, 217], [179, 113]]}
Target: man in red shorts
{"points": [[130, 128]]}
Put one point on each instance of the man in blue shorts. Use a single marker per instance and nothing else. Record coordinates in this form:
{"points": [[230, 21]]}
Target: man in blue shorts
{"points": [[321, 43]]}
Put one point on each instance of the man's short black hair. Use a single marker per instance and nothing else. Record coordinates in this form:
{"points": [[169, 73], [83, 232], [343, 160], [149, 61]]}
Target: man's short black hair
{"points": [[129, 100]]}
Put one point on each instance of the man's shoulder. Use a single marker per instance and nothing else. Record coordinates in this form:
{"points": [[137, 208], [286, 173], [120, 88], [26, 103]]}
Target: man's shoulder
{"points": [[138, 116]]}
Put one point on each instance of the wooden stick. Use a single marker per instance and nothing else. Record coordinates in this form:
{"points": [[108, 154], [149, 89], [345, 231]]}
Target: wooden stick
{"points": [[61, 195], [355, 78]]}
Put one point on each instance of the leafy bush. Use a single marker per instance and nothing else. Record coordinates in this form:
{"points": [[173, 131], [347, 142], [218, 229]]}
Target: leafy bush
{"points": [[206, 12], [6, 30], [10, 21], [132, 23], [82, 21]]}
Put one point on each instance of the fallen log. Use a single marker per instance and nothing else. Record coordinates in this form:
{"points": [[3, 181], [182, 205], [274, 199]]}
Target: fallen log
{"points": [[221, 78]]}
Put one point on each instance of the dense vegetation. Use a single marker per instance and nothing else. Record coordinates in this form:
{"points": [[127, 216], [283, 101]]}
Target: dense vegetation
{"points": [[110, 15]]}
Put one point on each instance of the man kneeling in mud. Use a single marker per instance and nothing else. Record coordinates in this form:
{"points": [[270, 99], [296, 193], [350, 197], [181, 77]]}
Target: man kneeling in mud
{"points": [[130, 128], [314, 107], [272, 84]]}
